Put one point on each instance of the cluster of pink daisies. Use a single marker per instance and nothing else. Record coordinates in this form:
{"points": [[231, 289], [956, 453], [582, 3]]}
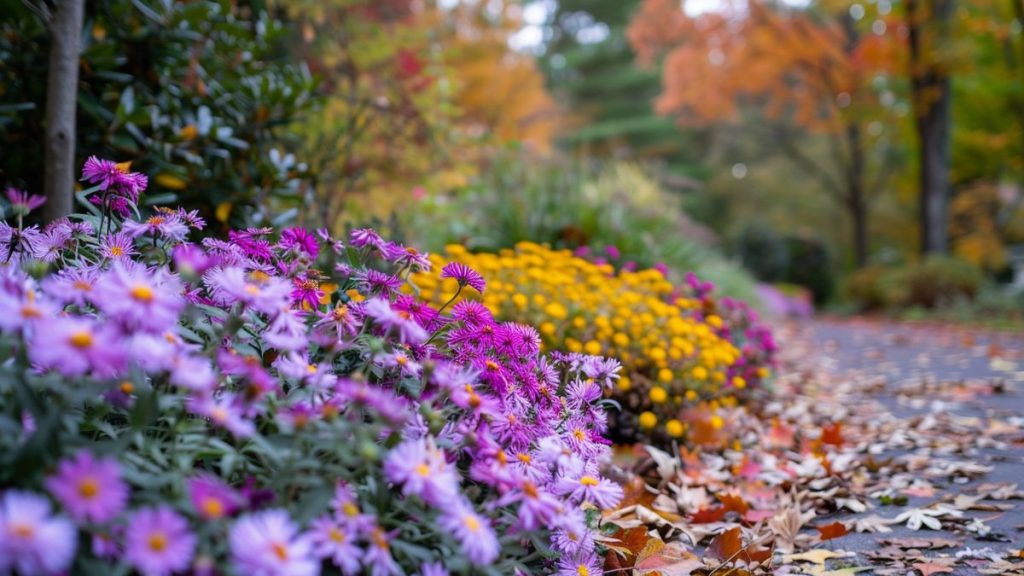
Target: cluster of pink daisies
{"points": [[274, 404]]}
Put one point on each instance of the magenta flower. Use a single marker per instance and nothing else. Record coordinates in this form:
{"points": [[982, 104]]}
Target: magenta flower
{"points": [[362, 237], [301, 240], [90, 489], [22, 202], [190, 260], [409, 332], [337, 542], [73, 346], [31, 540], [137, 297], [306, 293], [464, 275], [211, 498], [420, 467], [158, 542], [269, 543], [474, 534]]}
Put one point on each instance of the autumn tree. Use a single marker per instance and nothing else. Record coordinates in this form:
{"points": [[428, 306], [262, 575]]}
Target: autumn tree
{"points": [[823, 72]]}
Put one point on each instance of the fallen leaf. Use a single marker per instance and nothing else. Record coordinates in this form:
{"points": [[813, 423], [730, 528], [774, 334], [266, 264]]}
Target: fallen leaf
{"points": [[726, 545], [832, 434], [818, 556], [708, 515], [929, 568], [831, 531]]}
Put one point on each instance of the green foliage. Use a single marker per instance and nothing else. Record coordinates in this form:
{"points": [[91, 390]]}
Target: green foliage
{"points": [[762, 251], [195, 93], [569, 205], [810, 265], [935, 282]]}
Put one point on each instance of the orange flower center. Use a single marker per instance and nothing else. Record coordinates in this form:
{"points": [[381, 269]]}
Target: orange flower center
{"points": [[157, 542], [336, 536], [156, 220], [142, 293], [116, 251], [82, 285], [213, 508], [280, 550], [471, 522], [88, 488], [81, 339], [23, 530]]}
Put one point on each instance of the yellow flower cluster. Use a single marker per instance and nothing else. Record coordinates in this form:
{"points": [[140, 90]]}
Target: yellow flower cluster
{"points": [[670, 358]]}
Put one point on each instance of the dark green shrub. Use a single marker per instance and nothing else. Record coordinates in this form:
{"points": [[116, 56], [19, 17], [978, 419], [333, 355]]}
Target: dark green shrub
{"points": [[762, 251], [938, 280], [193, 93], [810, 266], [866, 288]]}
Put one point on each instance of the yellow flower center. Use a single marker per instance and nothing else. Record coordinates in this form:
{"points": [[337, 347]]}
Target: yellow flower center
{"points": [[142, 293], [341, 312], [156, 220], [350, 510], [336, 536], [252, 290], [582, 570], [81, 339], [157, 542], [423, 470], [116, 251], [311, 368], [588, 481], [88, 488], [579, 434], [471, 522]]}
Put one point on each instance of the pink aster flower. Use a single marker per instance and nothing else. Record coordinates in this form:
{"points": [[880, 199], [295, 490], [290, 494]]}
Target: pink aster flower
{"points": [[31, 540], [158, 542], [73, 346], [211, 498], [422, 470], [337, 542], [269, 544], [301, 240], [363, 237], [474, 534], [22, 202], [464, 275], [139, 297], [90, 489]]}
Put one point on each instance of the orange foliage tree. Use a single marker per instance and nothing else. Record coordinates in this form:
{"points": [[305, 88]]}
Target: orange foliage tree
{"points": [[827, 72]]}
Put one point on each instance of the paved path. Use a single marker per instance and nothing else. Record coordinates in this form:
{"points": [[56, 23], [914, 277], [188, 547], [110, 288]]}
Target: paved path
{"points": [[916, 372]]}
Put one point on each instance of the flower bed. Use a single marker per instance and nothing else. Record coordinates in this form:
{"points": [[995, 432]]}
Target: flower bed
{"points": [[680, 346], [273, 404]]}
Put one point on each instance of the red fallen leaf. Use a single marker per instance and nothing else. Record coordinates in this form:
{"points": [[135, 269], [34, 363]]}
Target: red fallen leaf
{"points": [[831, 531], [726, 545], [832, 434], [780, 435], [747, 469], [733, 503], [708, 515]]}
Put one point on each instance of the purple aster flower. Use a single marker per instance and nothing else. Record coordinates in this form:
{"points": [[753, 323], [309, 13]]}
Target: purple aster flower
{"points": [[406, 256], [191, 218], [287, 331], [23, 308], [106, 173], [579, 565], [223, 411], [422, 470], [115, 179], [17, 245], [22, 202], [378, 555], [380, 310], [474, 534], [464, 275], [31, 540], [73, 346], [211, 498], [337, 542], [263, 293], [584, 485], [269, 543], [138, 297], [162, 225], [191, 260], [301, 240], [118, 246], [158, 541], [377, 282], [90, 489]]}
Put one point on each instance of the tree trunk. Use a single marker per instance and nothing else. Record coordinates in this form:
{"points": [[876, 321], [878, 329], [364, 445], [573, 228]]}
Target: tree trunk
{"points": [[928, 22], [61, 101]]}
